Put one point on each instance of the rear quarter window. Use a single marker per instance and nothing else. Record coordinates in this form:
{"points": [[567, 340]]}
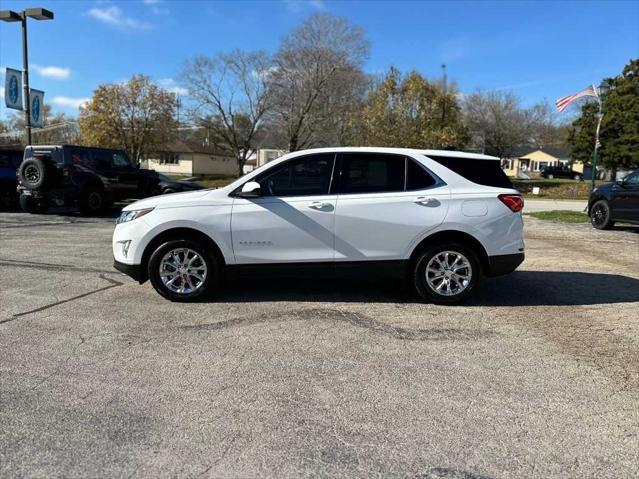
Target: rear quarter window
{"points": [[481, 172]]}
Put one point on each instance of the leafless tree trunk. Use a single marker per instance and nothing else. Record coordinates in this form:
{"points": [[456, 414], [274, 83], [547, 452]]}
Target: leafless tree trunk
{"points": [[230, 93]]}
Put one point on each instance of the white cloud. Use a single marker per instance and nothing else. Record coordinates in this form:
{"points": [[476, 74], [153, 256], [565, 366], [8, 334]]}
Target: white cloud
{"points": [[57, 73], [295, 6], [113, 16], [317, 4], [68, 102], [169, 84]]}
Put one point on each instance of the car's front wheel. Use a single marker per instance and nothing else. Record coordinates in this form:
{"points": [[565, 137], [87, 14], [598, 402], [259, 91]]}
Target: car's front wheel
{"points": [[550, 176], [183, 270], [600, 216], [446, 274]]}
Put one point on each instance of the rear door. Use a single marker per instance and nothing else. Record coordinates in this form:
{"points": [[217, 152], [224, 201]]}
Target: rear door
{"points": [[385, 204], [293, 219]]}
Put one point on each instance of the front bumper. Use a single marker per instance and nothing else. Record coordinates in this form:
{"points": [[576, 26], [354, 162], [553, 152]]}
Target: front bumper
{"points": [[133, 270], [504, 263]]}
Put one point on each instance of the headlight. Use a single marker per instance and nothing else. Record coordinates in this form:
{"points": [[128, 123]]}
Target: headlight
{"points": [[126, 216]]}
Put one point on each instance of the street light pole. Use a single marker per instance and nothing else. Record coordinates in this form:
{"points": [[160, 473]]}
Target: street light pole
{"points": [[601, 96], [11, 16], [25, 78]]}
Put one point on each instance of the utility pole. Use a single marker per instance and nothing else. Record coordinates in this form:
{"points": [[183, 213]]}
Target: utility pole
{"points": [[11, 16]]}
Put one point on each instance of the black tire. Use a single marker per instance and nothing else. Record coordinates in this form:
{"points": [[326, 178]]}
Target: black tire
{"points": [[92, 201], [168, 191], [32, 205], [600, 216], [32, 173], [577, 177], [211, 278], [550, 176], [428, 292]]}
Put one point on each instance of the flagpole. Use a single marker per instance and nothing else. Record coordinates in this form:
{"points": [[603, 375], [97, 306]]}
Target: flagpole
{"points": [[597, 144]]}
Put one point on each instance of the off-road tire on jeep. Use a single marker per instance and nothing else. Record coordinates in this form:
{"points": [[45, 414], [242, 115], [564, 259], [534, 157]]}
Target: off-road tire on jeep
{"points": [[92, 201], [32, 173], [184, 248], [426, 282], [32, 205]]}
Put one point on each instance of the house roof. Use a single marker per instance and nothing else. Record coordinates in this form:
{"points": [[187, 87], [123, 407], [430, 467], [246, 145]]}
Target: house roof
{"points": [[558, 153], [183, 147]]}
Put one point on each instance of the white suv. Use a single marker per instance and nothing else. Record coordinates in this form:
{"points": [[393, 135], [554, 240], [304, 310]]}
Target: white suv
{"points": [[440, 218]]}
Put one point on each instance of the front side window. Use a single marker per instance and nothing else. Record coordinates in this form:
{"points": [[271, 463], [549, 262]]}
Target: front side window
{"points": [[632, 179], [306, 176], [120, 161], [371, 173], [82, 157]]}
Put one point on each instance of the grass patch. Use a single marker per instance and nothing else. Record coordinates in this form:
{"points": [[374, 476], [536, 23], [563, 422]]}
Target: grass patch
{"points": [[556, 189], [561, 216]]}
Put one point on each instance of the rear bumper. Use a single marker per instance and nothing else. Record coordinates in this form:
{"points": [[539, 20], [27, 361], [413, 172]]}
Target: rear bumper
{"points": [[504, 263], [132, 270]]}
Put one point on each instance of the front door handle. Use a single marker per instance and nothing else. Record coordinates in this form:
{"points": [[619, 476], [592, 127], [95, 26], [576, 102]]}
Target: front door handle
{"points": [[422, 200], [318, 205]]}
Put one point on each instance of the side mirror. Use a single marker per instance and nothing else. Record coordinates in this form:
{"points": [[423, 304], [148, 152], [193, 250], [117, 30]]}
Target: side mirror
{"points": [[252, 189]]}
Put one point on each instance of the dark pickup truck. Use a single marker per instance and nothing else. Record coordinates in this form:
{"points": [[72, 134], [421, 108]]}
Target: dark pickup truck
{"points": [[91, 178]]}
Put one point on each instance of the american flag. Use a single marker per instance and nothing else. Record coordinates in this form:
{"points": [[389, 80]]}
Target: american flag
{"points": [[565, 101]]}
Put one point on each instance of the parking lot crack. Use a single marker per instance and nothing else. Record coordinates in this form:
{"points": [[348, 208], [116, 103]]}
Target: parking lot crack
{"points": [[112, 284]]}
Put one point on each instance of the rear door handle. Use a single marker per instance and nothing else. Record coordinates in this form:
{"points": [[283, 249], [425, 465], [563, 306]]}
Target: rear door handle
{"points": [[422, 200]]}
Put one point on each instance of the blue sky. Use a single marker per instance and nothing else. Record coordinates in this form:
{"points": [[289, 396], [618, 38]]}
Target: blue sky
{"points": [[540, 50]]}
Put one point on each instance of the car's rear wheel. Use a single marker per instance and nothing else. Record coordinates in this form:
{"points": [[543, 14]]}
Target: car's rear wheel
{"points": [[600, 216], [550, 176], [446, 274], [32, 205], [577, 177], [183, 270]]}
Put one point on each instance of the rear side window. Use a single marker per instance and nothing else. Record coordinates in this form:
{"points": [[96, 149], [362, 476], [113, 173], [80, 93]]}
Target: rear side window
{"points": [[306, 176], [371, 173], [417, 178], [81, 157], [482, 172]]}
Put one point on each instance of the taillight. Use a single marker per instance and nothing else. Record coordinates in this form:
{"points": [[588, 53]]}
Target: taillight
{"points": [[514, 202]]}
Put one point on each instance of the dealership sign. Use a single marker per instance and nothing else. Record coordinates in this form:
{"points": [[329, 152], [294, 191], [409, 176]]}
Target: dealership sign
{"points": [[13, 89], [36, 108]]}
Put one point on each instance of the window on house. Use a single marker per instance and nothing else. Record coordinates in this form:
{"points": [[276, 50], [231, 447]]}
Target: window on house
{"points": [[169, 159]]}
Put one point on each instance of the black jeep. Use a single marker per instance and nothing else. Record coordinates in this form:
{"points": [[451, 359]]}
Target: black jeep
{"points": [[91, 178]]}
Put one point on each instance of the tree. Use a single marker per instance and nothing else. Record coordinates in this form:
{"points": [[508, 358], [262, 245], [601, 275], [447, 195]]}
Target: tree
{"points": [[136, 116], [620, 124], [496, 121], [57, 129], [619, 134], [408, 111], [231, 98], [317, 78]]}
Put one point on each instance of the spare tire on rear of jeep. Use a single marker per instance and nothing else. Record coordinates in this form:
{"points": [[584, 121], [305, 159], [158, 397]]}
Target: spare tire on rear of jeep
{"points": [[32, 173]]}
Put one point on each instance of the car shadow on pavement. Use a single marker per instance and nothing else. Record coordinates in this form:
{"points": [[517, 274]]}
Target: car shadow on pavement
{"points": [[521, 288]]}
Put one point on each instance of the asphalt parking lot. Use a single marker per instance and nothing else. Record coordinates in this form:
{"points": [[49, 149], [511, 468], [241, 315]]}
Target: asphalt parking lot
{"points": [[99, 377]]}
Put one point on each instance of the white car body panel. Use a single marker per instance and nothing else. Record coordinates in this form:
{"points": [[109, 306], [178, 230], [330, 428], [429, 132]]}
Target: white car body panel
{"points": [[349, 227]]}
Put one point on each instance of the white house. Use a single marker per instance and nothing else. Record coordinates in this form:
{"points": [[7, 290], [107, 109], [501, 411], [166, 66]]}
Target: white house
{"points": [[261, 157], [181, 159]]}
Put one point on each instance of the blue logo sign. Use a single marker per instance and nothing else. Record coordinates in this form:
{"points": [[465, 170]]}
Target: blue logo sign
{"points": [[35, 109], [13, 89]]}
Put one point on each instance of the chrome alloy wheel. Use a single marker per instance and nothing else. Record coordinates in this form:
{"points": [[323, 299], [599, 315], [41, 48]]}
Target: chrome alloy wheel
{"points": [[183, 270], [448, 273]]}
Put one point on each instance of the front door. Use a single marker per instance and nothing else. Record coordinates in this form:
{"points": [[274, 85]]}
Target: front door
{"points": [[625, 201], [293, 219], [385, 204]]}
